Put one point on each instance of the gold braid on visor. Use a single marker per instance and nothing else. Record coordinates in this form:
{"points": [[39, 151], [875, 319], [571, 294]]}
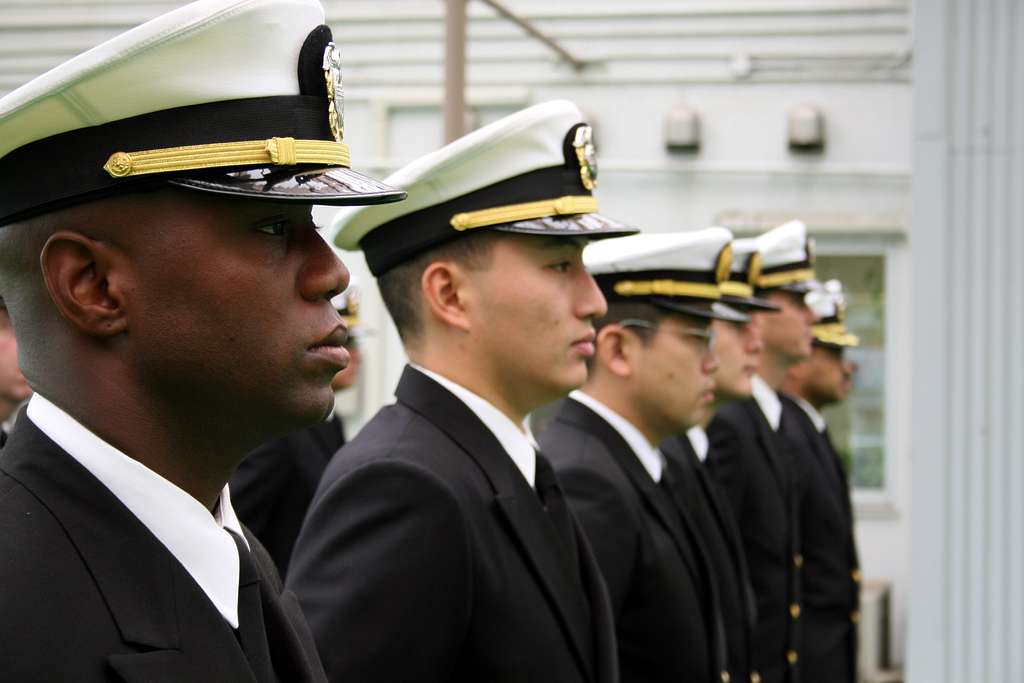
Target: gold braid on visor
{"points": [[560, 206], [740, 289], [785, 277], [275, 151], [667, 288]]}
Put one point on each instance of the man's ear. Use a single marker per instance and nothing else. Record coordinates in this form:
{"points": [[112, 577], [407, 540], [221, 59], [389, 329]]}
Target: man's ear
{"points": [[444, 288], [85, 279], [616, 350]]}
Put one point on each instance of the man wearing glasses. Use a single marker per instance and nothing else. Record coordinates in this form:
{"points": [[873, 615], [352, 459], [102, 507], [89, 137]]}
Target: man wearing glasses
{"points": [[648, 379], [738, 348], [754, 462]]}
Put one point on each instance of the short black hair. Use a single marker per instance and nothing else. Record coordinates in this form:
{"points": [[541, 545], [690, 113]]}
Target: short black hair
{"points": [[623, 310], [640, 310], [400, 286]]}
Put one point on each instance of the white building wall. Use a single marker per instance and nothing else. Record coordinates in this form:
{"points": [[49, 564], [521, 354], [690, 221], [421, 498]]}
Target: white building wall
{"points": [[967, 608], [740, 63]]}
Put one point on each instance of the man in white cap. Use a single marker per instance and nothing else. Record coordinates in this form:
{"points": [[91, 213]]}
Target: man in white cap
{"points": [[831, 573], [648, 380], [738, 348], [273, 487], [171, 298], [439, 546], [754, 463]]}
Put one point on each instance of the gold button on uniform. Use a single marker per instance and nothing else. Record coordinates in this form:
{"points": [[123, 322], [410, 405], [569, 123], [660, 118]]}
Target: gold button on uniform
{"points": [[855, 575], [855, 616], [794, 611], [798, 560], [792, 657], [755, 677], [726, 677]]}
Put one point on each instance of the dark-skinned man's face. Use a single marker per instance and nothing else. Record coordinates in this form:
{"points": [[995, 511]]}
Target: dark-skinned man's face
{"points": [[229, 305]]}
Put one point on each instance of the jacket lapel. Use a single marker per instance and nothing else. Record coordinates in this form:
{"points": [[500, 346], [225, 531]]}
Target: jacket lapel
{"points": [[672, 517], [518, 503], [669, 508], [157, 606], [770, 442], [606, 664], [727, 522], [825, 459]]}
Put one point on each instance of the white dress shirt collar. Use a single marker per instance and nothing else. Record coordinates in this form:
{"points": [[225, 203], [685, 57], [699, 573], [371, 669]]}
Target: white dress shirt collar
{"points": [[699, 440], [196, 538], [518, 442], [650, 457], [812, 412], [768, 400]]}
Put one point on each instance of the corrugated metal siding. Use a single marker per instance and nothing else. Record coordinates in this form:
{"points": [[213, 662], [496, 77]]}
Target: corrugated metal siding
{"points": [[967, 606]]}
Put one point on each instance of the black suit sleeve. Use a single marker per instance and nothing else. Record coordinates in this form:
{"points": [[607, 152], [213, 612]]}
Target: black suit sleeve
{"points": [[609, 523], [256, 485], [725, 460], [382, 570]]}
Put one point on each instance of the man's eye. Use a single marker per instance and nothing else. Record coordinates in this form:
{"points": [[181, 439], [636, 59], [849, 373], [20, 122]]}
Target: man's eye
{"points": [[275, 228], [562, 267]]}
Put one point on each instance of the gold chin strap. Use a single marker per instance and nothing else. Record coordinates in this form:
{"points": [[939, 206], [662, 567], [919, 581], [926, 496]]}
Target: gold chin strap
{"points": [[785, 277], [740, 289], [667, 288], [560, 206], [275, 151]]}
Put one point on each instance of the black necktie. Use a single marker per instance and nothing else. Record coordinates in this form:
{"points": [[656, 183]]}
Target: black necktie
{"points": [[553, 500], [252, 633]]}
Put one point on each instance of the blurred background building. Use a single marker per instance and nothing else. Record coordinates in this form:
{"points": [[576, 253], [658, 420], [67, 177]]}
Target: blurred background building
{"points": [[746, 113]]}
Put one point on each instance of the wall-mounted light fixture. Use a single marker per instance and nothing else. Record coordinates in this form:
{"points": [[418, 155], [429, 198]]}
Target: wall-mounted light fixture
{"points": [[682, 129], [806, 128]]}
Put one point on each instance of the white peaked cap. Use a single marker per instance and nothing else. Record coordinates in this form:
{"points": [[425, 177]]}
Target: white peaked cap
{"points": [[532, 172], [698, 251], [787, 257], [742, 249], [212, 72], [680, 271], [190, 55], [739, 289], [829, 304], [826, 299]]}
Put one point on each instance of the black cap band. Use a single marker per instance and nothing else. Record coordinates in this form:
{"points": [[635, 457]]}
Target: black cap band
{"points": [[68, 168], [414, 233]]}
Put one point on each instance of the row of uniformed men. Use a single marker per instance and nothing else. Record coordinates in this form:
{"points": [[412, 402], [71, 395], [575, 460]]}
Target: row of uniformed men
{"points": [[138, 214]]}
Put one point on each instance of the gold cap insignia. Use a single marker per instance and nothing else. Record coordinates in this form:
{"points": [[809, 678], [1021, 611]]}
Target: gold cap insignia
{"points": [[586, 155], [724, 264], [754, 269], [335, 92]]}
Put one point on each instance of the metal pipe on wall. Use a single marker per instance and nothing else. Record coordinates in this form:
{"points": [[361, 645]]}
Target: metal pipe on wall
{"points": [[455, 70]]}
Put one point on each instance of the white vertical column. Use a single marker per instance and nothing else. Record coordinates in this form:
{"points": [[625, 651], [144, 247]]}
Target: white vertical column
{"points": [[967, 521]]}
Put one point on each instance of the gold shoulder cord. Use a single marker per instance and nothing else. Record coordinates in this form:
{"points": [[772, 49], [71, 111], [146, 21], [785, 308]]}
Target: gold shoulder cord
{"points": [[278, 151]]}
